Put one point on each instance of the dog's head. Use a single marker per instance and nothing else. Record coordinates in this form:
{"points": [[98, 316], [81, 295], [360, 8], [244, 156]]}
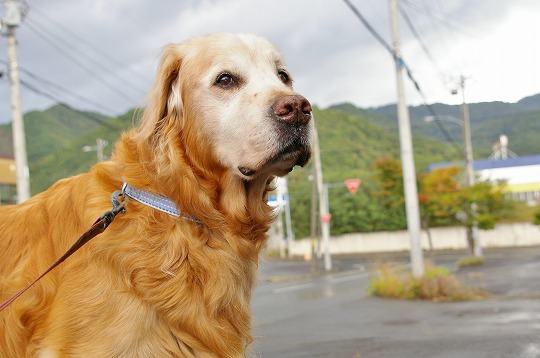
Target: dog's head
{"points": [[229, 100]]}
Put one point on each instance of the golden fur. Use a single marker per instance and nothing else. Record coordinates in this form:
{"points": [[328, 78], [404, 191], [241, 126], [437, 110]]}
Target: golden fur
{"points": [[153, 285]]}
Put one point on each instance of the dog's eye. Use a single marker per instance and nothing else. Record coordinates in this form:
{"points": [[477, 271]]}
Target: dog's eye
{"points": [[283, 76], [225, 80]]}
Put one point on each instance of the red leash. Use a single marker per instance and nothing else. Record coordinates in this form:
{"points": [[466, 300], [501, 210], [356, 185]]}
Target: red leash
{"points": [[97, 228]]}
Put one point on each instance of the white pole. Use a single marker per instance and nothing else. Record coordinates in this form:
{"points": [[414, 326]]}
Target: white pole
{"points": [[325, 228], [100, 145], [407, 155], [288, 223], [19, 141], [323, 202], [475, 237], [283, 203], [279, 228]]}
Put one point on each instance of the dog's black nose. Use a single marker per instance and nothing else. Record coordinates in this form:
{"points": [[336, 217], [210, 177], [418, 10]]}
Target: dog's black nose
{"points": [[293, 109]]}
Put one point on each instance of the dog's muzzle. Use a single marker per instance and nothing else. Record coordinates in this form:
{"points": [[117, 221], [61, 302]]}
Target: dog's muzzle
{"points": [[292, 122]]}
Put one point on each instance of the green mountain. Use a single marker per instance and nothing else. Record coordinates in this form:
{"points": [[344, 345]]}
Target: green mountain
{"points": [[47, 131], [68, 157], [350, 140], [55, 138], [520, 122], [349, 143]]}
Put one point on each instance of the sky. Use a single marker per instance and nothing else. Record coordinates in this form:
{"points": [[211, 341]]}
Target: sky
{"points": [[101, 55]]}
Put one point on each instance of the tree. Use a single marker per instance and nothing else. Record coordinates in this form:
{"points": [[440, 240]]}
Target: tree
{"points": [[490, 202], [389, 193], [438, 199], [536, 220], [442, 199]]}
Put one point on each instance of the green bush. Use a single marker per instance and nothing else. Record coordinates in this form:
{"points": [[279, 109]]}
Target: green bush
{"points": [[537, 218], [486, 222], [470, 261], [437, 284]]}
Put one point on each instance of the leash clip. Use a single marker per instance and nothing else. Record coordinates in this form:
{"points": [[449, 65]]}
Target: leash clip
{"points": [[117, 207]]}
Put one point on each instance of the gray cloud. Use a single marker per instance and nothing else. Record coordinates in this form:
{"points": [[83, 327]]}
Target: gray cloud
{"points": [[332, 56]]}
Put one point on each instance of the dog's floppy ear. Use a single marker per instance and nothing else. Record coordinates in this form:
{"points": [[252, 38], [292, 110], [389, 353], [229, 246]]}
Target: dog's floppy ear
{"points": [[164, 99]]}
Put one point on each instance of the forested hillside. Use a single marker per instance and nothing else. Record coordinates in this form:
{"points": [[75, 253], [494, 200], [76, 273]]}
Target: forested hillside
{"points": [[349, 145], [520, 122], [50, 130], [350, 139], [67, 157]]}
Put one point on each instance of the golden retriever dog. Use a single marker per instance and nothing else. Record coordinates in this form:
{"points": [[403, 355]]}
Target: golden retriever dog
{"points": [[222, 120]]}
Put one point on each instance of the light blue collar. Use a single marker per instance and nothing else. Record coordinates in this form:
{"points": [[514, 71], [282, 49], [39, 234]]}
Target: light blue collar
{"points": [[158, 202]]}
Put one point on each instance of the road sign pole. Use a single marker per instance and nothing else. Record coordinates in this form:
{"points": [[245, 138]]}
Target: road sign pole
{"points": [[325, 228], [323, 202]]}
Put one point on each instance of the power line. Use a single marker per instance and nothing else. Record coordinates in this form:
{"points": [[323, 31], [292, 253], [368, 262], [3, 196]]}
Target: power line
{"points": [[371, 29], [84, 114], [88, 57], [439, 19], [422, 43], [64, 52], [399, 60], [68, 92], [441, 40], [63, 89], [80, 39], [436, 17]]}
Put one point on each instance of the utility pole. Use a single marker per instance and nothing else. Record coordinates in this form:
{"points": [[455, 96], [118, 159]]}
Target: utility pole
{"points": [[279, 228], [407, 156], [283, 203], [288, 225], [11, 21], [313, 224], [323, 202], [98, 148], [466, 135], [472, 233]]}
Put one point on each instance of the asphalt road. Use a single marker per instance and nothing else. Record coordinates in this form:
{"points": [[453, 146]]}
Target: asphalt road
{"points": [[301, 312]]}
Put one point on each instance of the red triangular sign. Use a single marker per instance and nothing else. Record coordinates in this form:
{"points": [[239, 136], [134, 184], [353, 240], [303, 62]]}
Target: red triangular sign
{"points": [[325, 218], [353, 185]]}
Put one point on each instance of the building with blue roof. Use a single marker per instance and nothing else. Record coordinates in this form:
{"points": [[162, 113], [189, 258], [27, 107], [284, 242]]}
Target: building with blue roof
{"points": [[522, 174]]}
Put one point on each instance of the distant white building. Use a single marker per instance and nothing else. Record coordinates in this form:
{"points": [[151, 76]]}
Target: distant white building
{"points": [[522, 175]]}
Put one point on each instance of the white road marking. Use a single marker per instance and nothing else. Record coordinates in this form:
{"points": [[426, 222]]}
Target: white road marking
{"points": [[349, 278], [293, 288]]}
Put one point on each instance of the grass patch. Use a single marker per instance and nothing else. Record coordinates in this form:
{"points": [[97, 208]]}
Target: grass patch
{"points": [[437, 284], [470, 261], [274, 254]]}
